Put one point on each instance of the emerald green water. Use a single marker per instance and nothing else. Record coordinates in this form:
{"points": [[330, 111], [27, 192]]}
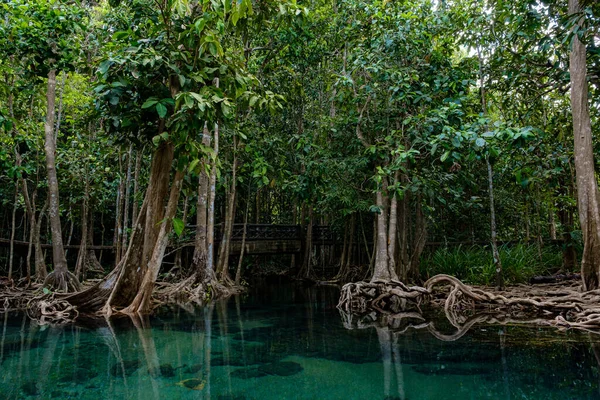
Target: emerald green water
{"points": [[286, 342]]}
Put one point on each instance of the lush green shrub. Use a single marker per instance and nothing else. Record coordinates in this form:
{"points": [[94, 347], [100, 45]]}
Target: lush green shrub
{"points": [[475, 264]]}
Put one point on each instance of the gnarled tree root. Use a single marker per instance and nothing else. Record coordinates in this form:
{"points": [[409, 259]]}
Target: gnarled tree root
{"points": [[47, 309], [65, 282], [566, 307]]}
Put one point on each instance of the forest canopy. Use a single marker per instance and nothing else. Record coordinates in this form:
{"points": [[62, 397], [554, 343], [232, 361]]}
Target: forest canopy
{"points": [[147, 140]]}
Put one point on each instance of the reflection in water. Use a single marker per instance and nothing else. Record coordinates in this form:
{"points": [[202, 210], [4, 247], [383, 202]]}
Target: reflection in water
{"points": [[289, 342]]}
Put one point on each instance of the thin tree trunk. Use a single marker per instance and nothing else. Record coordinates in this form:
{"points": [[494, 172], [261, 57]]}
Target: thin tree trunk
{"points": [[62, 279], [307, 262], [30, 206], [552, 224], [184, 219], [210, 237], [419, 240], [393, 223], [82, 255], [40, 264], [238, 272], [495, 253], [350, 248], [126, 205], [200, 244], [136, 183], [118, 234], [223, 268], [587, 187], [12, 231], [344, 246]]}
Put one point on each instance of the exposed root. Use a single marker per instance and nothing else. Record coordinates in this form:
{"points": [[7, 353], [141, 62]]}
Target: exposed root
{"points": [[65, 282], [550, 305], [195, 290], [46, 309]]}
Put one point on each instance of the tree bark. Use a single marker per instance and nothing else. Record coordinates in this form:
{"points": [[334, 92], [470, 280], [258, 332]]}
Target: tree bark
{"points": [[142, 301], [238, 272], [136, 183], [382, 270], [118, 234], [587, 187], [60, 278], [12, 231], [306, 270], [41, 272], [200, 244], [126, 202], [210, 237], [495, 253], [223, 268], [393, 223]]}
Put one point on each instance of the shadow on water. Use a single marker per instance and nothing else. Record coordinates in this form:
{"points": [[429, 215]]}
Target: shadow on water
{"points": [[288, 341]]}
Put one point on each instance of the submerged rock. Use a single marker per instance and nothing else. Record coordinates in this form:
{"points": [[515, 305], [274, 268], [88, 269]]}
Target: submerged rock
{"points": [[77, 375], [167, 370], [128, 367], [194, 383], [192, 369], [281, 368], [30, 388]]}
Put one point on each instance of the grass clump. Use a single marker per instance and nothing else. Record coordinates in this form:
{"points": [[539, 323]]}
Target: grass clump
{"points": [[475, 265]]}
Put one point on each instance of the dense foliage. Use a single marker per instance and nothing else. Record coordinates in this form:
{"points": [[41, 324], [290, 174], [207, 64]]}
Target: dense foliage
{"points": [[393, 122]]}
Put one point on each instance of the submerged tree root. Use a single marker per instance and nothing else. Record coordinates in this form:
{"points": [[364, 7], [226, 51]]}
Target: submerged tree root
{"points": [[561, 306]]}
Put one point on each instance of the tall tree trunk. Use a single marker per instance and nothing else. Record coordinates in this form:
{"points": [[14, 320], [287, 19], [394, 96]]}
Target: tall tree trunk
{"points": [[344, 246], [142, 301], [495, 252], [30, 207], [82, 255], [60, 278], [12, 231], [587, 187], [212, 191], [178, 262], [393, 223], [552, 223], [238, 272], [200, 244], [118, 234], [126, 202], [136, 183], [41, 271], [382, 270], [418, 241], [306, 270], [223, 268]]}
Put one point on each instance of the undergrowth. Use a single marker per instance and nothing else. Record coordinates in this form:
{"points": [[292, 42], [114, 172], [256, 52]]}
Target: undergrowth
{"points": [[475, 265]]}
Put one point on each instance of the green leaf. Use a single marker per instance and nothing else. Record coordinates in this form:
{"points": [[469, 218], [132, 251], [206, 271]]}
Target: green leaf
{"points": [[193, 164], [178, 226], [480, 142], [445, 156], [150, 102], [161, 110], [46, 291]]}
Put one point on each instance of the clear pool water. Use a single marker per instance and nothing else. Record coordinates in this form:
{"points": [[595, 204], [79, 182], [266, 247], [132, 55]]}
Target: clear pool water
{"points": [[287, 342]]}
